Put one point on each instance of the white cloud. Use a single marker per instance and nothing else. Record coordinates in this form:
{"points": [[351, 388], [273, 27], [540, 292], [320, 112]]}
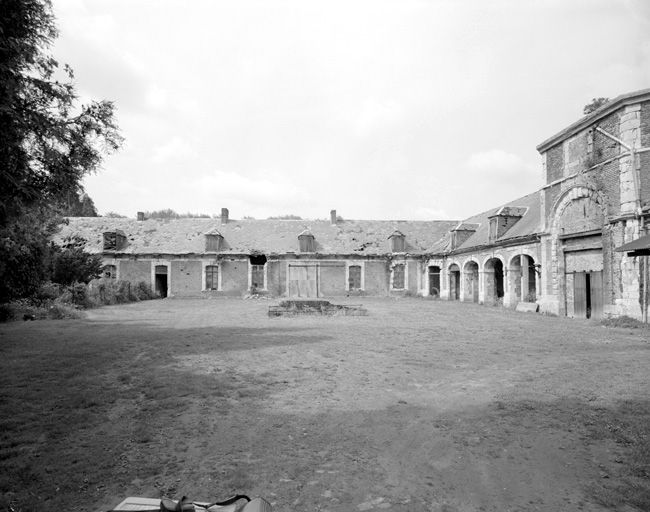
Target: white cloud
{"points": [[176, 149], [496, 163]]}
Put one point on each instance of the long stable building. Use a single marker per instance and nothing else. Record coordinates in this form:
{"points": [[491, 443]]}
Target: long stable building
{"points": [[556, 247]]}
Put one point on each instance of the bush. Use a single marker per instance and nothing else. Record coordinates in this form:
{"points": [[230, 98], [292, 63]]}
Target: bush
{"points": [[143, 291], [79, 296], [7, 312], [624, 322]]}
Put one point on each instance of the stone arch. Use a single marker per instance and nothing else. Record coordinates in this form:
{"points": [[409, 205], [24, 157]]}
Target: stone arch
{"points": [[470, 287], [565, 222], [523, 276], [453, 270], [494, 280]]}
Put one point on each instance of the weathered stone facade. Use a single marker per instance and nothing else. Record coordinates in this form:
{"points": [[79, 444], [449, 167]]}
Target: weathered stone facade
{"points": [[595, 200], [554, 249]]}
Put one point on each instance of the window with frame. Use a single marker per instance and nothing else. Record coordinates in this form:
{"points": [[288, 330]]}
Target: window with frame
{"points": [[110, 272], [398, 277], [354, 277], [212, 277]]}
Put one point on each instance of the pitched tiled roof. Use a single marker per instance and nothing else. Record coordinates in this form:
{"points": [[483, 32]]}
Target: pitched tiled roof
{"points": [[529, 224], [187, 236]]}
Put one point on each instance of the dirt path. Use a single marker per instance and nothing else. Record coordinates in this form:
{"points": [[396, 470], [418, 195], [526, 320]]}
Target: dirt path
{"points": [[422, 405]]}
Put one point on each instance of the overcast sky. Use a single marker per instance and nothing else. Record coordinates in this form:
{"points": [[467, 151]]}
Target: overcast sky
{"points": [[380, 110]]}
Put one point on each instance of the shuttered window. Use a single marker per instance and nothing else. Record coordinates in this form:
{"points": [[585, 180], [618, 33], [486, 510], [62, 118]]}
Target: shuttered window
{"points": [[212, 277], [354, 277]]}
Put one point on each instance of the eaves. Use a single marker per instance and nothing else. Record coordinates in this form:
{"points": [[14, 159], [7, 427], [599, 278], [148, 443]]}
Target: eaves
{"points": [[535, 237]]}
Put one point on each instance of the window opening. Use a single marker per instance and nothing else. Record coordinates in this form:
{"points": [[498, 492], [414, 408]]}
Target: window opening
{"points": [[110, 271], [354, 277], [212, 277]]}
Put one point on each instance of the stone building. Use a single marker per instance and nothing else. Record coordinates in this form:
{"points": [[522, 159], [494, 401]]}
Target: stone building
{"points": [[296, 258], [561, 248], [557, 247]]}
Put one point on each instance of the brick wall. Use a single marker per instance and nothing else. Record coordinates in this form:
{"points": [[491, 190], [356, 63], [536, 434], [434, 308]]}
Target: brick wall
{"points": [[234, 277], [376, 278], [644, 158], [604, 147], [607, 179], [134, 271], [274, 283], [554, 163], [332, 279], [186, 277]]}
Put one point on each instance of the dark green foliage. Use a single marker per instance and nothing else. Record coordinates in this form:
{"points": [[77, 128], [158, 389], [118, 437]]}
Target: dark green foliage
{"points": [[24, 249], [72, 264], [79, 205], [47, 143]]}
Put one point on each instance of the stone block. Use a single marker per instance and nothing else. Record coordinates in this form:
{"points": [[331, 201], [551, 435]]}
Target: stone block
{"points": [[527, 307]]}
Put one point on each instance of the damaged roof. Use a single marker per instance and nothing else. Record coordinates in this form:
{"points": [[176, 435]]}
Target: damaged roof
{"points": [[529, 224], [246, 236]]}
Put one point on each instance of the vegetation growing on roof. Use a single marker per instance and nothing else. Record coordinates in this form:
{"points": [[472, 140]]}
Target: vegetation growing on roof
{"points": [[168, 213]]}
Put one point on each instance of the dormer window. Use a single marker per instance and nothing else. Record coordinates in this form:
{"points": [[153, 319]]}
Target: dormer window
{"points": [[114, 240], [397, 242], [461, 233], [306, 241], [213, 241], [503, 220]]}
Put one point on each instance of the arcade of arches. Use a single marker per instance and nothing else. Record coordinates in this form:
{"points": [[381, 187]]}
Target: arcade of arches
{"points": [[491, 282]]}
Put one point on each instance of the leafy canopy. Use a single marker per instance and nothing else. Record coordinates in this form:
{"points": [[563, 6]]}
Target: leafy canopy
{"points": [[48, 142]]}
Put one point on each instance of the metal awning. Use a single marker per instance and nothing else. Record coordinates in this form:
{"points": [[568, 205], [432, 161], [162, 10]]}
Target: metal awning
{"points": [[638, 247]]}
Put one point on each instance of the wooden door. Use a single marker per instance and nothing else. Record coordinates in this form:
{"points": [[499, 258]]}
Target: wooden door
{"points": [[303, 281], [596, 294], [580, 295]]}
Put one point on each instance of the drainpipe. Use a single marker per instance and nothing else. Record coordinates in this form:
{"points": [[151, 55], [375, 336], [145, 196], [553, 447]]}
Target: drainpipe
{"points": [[638, 214], [637, 187]]}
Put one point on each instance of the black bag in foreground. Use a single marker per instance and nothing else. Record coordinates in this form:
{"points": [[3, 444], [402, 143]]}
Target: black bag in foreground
{"points": [[239, 503]]}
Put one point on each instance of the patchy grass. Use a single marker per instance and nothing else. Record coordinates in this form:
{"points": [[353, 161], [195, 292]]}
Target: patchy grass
{"points": [[420, 405], [624, 322]]}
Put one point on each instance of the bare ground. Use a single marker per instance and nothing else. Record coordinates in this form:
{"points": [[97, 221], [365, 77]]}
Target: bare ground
{"points": [[422, 405]]}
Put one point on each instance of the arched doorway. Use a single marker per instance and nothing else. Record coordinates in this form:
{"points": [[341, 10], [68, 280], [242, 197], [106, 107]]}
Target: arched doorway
{"points": [[470, 272], [434, 281], [494, 290], [454, 282], [580, 269], [522, 279]]}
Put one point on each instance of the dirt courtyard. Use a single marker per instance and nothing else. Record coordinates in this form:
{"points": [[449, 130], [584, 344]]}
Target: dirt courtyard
{"points": [[422, 405]]}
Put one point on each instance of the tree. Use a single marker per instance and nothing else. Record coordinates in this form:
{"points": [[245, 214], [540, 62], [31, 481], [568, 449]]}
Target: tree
{"points": [[595, 104], [70, 263], [79, 205], [47, 141]]}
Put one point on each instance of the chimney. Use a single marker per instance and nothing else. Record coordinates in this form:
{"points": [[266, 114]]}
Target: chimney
{"points": [[140, 215], [224, 215], [333, 217]]}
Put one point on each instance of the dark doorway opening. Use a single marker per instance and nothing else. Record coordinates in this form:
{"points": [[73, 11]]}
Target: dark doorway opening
{"points": [[498, 278], [161, 281], [434, 281]]}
